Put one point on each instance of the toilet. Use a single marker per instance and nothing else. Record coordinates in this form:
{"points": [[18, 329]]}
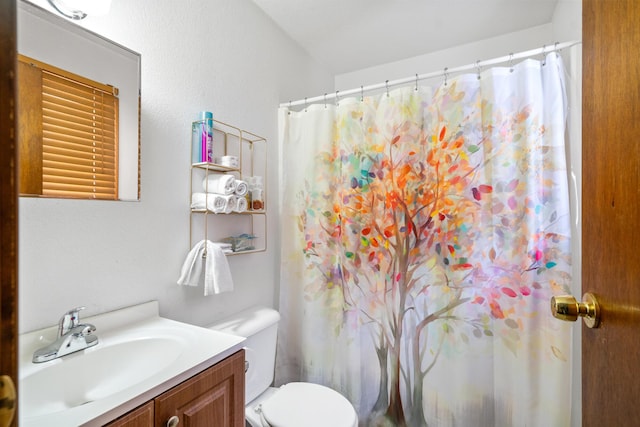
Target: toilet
{"points": [[292, 405]]}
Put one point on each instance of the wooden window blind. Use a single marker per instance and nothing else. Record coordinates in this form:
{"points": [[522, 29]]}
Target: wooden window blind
{"points": [[78, 133]]}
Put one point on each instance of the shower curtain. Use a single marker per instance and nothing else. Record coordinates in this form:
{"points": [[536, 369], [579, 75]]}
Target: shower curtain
{"points": [[424, 231]]}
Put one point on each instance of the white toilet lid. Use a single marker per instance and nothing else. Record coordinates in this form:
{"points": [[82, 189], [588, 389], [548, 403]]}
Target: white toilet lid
{"points": [[309, 405]]}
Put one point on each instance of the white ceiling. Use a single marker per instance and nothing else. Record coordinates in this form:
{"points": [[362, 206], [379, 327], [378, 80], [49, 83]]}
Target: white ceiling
{"points": [[349, 35]]}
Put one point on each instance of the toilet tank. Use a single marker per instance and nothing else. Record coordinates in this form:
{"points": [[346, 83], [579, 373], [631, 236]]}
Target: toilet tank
{"points": [[259, 325]]}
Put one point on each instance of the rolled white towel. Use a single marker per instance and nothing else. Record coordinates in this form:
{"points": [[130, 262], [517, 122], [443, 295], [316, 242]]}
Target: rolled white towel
{"points": [[241, 188], [219, 183], [230, 203], [212, 202], [241, 204]]}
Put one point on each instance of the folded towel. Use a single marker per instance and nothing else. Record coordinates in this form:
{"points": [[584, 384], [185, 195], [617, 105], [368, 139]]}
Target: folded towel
{"points": [[210, 201], [229, 161], [241, 188], [217, 275], [227, 248], [219, 183], [241, 204]]}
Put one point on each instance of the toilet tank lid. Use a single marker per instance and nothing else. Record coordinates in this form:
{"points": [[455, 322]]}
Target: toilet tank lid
{"points": [[248, 322]]}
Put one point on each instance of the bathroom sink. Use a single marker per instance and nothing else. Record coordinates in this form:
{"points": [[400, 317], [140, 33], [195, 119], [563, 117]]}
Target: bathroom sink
{"points": [[139, 355], [98, 373]]}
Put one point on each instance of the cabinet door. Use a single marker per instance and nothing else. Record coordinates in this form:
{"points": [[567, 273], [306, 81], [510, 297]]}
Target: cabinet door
{"points": [[213, 398], [139, 417]]}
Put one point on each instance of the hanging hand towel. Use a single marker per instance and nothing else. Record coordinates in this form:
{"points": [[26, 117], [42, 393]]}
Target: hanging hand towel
{"points": [[241, 188], [213, 202], [192, 267], [219, 183], [217, 275]]}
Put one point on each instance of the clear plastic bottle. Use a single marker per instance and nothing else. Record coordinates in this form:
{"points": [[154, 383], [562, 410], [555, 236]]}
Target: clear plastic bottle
{"points": [[257, 200]]}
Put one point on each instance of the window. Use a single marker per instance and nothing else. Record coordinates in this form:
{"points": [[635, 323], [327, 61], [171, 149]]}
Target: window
{"points": [[67, 132]]}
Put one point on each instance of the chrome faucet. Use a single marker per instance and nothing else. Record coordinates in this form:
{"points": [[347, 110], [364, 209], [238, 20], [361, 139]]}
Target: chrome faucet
{"points": [[72, 336]]}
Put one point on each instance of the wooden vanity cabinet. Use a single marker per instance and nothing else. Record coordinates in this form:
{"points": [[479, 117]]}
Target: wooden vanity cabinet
{"points": [[214, 397], [139, 417]]}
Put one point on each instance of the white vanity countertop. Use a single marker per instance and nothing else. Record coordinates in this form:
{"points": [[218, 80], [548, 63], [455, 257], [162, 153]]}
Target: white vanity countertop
{"points": [[138, 329]]}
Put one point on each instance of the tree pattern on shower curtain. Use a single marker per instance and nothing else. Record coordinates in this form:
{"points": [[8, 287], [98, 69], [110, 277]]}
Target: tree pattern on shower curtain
{"points": [[437, 223]]}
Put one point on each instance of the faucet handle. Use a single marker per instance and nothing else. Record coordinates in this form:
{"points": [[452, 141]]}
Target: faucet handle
{"points": [[85, 329], [69, 320]]}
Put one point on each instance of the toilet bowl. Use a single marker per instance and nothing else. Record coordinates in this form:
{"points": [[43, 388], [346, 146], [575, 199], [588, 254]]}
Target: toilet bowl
{"points": [[296, 404]]}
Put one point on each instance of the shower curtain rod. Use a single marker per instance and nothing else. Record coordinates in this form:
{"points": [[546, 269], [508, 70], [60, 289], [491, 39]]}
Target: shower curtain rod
{"points": [[446, 72]]}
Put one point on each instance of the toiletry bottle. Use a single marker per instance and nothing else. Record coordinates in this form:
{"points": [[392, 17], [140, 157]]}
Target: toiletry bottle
{"points": [[250, 186], [196, 142], [206, 136], [257, 201]]}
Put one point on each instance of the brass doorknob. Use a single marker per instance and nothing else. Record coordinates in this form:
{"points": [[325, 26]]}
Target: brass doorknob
{"points": [[565, 307], [7, 400]]}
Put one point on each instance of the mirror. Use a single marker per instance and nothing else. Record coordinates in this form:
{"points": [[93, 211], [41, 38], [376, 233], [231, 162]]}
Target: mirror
{"points": [[45, 38]]}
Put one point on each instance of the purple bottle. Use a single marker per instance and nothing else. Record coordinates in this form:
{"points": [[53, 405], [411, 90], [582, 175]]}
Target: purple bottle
{"points": [[206, 136]]}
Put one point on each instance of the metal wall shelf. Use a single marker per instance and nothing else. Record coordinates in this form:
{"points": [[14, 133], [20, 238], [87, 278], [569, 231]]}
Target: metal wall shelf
{"points": [[251, 150]]}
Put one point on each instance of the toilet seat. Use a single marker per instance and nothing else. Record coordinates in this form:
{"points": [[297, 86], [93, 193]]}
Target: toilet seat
{"points": [[310, 405]]}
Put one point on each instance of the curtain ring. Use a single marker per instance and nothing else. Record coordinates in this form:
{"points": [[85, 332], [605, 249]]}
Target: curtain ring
{"points": [[289, 112], [325, 100], [511, 62], [544, 58], [555, 47], [361, 93], [305, 104], [337, 98], [478, 68], [386, 84], [446, 75], [416, 82]]}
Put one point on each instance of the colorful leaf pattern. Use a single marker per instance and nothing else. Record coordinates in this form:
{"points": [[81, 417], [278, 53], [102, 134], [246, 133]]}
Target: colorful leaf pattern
{"points": [[435, 222]]}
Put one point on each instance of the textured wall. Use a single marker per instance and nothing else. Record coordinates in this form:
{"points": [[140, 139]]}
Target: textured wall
{"points": [[222, 56]]}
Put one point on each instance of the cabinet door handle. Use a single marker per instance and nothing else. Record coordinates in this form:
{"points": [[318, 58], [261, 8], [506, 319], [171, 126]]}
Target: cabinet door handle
{"points": [[173, 421]]}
